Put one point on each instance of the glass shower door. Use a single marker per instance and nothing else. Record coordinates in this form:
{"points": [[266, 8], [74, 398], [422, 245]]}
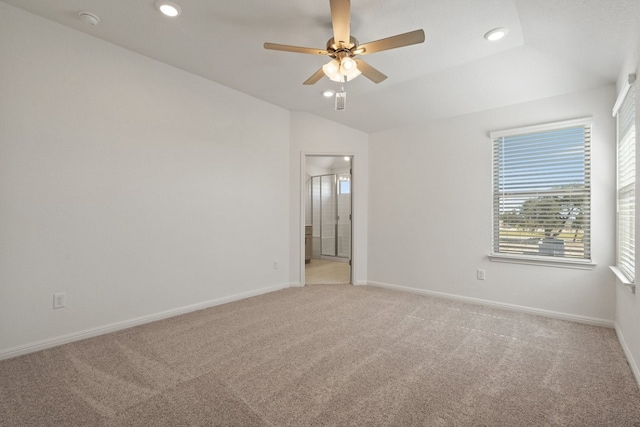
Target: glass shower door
{"points": [[328, 215], [344, 215]]}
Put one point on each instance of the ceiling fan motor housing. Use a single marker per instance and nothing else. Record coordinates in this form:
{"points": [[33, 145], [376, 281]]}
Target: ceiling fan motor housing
{"points": [[340, 50]]}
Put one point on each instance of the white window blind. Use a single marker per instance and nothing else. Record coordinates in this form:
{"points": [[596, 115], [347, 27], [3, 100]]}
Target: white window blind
{"points": [[542, 191], [626, 186]]}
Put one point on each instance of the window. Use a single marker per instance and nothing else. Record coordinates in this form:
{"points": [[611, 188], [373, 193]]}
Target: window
{"points": [[345, 187], [344, 183], [542, 193], [626, 136]]}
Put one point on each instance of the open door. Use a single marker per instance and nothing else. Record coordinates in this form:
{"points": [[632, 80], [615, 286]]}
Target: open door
{"points": [[328, 227]]}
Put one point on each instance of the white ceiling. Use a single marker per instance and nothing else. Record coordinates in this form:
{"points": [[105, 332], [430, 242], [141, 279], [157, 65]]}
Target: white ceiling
{"points": [[553, 47]]}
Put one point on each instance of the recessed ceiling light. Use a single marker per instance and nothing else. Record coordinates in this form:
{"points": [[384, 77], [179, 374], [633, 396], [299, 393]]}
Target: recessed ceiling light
{"points": [[168, 8], [347, 158], [496, 34], [328, 93], [88, 18]]}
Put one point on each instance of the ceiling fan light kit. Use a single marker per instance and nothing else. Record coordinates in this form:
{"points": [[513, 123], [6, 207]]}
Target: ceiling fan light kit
{"points": [[345, 70], [331, 68], [342, 49]]}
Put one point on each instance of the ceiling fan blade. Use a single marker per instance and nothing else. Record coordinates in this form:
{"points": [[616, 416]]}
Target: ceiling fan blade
{"points": [[341, 21], [296, 49], [316, 76], [401, 40], [369, 72]]}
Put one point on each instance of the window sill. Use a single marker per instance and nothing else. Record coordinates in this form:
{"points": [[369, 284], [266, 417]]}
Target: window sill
{"points": [[551, 262], [623, 279]]}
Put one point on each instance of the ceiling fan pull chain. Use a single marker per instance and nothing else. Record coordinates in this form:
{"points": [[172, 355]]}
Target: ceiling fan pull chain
{"points": [[341, 99]]}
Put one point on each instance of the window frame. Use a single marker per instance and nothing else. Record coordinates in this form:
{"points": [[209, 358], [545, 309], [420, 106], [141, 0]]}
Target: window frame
{"points": [[627, 97], [541, 260]]}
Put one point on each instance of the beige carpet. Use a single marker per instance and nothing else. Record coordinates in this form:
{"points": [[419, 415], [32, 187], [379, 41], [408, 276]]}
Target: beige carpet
{"points": [[333, 355]]}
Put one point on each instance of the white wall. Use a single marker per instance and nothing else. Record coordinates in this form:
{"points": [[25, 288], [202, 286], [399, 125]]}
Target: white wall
{"points": [[134, 187], [313, 135], [628, 304], [430, 211]]}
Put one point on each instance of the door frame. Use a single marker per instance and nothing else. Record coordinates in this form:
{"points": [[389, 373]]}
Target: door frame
{"points": [[303, 195]]}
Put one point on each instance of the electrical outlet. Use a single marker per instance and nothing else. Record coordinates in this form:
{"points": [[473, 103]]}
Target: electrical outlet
{"points": [[480, 274], [59, 300], [275, 265]]}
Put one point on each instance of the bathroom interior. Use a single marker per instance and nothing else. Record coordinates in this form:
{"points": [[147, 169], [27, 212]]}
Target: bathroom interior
{"points": [[328, 220]]}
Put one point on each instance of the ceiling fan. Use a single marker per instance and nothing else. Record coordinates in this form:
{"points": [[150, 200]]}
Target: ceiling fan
{"points": [[343, 47]]}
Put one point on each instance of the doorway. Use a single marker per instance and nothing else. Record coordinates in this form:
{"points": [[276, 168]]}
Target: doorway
{"points": [[328, 220]]}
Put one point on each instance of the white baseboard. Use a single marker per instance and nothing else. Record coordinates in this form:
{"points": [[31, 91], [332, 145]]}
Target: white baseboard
{"points": [[512, 307], [100, 330], [627, 352]]}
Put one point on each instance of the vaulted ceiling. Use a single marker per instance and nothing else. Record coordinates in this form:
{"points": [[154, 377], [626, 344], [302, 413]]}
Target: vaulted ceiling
{"points": [[553, 47]]}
